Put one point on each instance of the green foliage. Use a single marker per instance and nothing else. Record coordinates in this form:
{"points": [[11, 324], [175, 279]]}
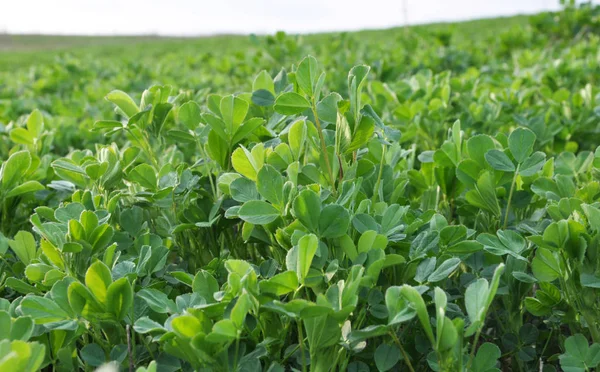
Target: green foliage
{"points": [[437, 210]]}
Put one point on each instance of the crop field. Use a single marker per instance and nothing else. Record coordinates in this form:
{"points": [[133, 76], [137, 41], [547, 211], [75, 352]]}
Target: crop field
{"points": [[413, 199]]}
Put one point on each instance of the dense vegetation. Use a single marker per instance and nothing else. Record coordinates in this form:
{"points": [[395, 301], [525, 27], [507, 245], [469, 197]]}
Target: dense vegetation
{"points": [[410, 199]]}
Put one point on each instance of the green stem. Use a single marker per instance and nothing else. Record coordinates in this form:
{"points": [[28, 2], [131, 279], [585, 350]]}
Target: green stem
{"points": [[472, 356], [589, 319], [129, 349], [301, 342], [323, 145], [237, 351], [404, 354], [376, 191], [209, 173], [145, 147], [510, 194], [545, 346]]}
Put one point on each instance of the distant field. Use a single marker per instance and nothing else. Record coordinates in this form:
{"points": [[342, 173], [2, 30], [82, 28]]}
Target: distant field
{"points": [[17, 51]]}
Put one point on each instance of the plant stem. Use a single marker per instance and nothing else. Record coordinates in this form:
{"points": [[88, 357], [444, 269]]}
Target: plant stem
{"points": [[544, 349], [589, 319], [301, 342], [376, 191], [209, 172], [323, 145], [237, 351], [510, 194], [131, 364], [399, 344], [475, 340], [145, 147]]}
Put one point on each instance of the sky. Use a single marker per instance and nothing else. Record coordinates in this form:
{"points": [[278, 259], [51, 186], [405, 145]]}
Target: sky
{"points": [[202, 17]]}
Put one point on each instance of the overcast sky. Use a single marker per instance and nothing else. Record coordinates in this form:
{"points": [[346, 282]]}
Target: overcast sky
{"points": [[200, 17]]}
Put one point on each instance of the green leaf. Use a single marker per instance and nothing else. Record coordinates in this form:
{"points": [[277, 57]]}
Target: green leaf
{"points": [[465, 247], [523, 277], [297, 138], [307, 75], [246, 129], [307, 209], [362, 134], [444, 270], [186, 326], [21, 356], [14, 168], [307, 247], [417, 303], [386, 357], [347, 244], [263, 97], [20, 286], [579, 356], [243, 190], [98, 278], [24, 246], [218, 127], [258, 212], [590, 281], [577, 346], [334, 221], [486, 358], [371, 240], [476, 299], [35, 123], [593, 215], [535, 307], [35, 272], [22, 328], [144, 175], [356, 79], [592, 357], [448, 335], [189, 114], [119, 298], [245, 163], [263, 81], [124, 102], [239, 311], [222, 332], [499, 161], [107, 124], [42, 310], [506, 242], [233, 110], [157, 300], [146, 325], [205, 285], [93, 355], [327, 108], [520, 143], [178, 136], [533, 164], [484, 195], [291, 103], [270, 185], [545, 265], [397, 306], [21, 136], [280, 284], [478, 146], [367, 332]]}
